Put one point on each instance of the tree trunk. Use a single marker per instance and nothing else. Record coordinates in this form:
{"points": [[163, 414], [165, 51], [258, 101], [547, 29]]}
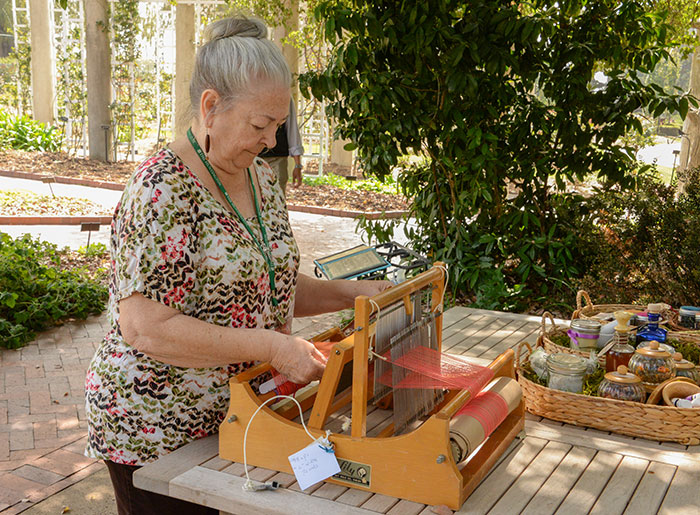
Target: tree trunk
{"points": [[690, 142]]}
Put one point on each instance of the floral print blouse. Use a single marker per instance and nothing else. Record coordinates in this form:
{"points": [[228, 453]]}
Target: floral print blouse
{"points": [[174, 243]]}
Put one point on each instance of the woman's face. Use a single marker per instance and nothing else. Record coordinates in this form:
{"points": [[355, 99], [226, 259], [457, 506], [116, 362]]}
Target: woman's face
{"points": [[239, 133]]}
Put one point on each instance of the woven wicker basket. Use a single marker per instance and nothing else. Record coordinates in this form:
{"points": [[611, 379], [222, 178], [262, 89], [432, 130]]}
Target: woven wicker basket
{"points": [[660, 423], [674, 323], [545, 339], [590, 309]]}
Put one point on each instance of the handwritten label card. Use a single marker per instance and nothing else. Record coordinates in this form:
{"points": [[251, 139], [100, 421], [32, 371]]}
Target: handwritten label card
{"points": [[313, 464]]}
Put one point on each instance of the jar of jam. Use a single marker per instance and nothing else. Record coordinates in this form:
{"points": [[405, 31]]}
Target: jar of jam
{"points": [[685, 368], [652, 365], [566, 372], [584, 333], [622, 385]]}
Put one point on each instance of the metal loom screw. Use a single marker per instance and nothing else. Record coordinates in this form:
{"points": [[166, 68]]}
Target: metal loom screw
{"points": [[441, 458], [337, 353], [232, 419]]}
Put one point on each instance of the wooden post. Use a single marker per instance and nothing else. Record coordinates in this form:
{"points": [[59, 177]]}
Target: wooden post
{"points": [[184, 64], [360, 367], [690, 142], [98, 77], [43, 61]]}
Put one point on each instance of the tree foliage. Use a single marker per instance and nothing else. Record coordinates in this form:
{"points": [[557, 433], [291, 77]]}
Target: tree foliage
{"points": [[499, 104]]}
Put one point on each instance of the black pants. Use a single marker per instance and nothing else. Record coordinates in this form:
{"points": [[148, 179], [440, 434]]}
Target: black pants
{"points": [[134, 501]]}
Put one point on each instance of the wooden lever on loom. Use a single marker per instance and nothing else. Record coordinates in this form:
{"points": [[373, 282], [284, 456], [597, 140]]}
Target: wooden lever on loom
{"points": [[417, 465]]}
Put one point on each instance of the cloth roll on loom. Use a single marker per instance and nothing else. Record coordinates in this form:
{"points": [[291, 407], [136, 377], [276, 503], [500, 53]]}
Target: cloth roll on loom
{"points": [[480, 417]]}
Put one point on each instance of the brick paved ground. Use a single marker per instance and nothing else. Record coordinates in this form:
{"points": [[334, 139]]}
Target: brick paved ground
{"points": [[42, 413]]}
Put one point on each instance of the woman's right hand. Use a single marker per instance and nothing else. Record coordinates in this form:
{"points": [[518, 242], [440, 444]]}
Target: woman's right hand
{"points": [[297, 359]]}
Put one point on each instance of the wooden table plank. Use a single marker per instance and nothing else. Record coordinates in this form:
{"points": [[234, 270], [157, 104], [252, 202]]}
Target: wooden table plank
{"points": [[586, 490], [404, 507], [558, 485], [380, 503], [156, 477], [458, 326], [502, 477], [621, 486], [354, 497], [475, 332], [513, 316], [508, 328], [682, 495], [453, 315], [528, 333], [652, 489], [645, 449], [330, 491], [532, 478], [209, 488]]}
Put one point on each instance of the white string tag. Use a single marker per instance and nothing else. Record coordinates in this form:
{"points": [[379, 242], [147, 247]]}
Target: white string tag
{"points": [[314, 463]]}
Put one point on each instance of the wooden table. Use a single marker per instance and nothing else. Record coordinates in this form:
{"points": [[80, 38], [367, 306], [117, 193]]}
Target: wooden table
{"points": [[553, 468]]}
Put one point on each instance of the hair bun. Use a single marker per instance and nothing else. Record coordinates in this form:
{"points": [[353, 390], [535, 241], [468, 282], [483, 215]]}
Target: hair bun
{"points": [[240, 27]]}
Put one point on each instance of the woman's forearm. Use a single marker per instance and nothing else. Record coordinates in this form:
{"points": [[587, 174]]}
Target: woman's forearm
{"points": [[166, 334], [169, 336], [316, 296]]}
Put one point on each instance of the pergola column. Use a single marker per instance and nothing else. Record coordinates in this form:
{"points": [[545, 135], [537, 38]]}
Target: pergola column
{"points": [[98, 57], [690, 142], [184, 64], [43, 58]]}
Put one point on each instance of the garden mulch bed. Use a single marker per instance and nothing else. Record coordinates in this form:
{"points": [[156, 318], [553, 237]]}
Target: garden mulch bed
{"points": [[64, 165]]}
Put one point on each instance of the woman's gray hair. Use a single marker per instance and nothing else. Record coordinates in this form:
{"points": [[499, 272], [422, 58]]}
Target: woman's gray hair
{"points": [[236, 53]]}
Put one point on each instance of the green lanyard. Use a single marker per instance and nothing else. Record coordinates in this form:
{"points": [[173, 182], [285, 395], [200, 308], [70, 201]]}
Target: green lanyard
{"points": [[264, 250]]}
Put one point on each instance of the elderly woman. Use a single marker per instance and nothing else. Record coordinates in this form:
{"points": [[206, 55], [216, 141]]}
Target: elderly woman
{"points": [[204, 277]]}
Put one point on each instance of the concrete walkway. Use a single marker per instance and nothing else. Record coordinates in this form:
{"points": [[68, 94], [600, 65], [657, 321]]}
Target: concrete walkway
{"points": [[42, 415]]}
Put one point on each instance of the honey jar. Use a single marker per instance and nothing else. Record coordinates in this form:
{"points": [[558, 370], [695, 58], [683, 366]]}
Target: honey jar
{"points": [[622, 385], [652, 365]]}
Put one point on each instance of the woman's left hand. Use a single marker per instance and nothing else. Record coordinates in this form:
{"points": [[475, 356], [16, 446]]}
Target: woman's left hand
{"points": [[372, 288]]}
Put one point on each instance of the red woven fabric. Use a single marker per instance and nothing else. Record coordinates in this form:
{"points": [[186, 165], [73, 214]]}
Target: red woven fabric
{"points": [[433, 369], [489, 408]]}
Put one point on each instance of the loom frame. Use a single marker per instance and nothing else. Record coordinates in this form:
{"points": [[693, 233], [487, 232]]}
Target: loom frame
{"points": [[417, 465]]}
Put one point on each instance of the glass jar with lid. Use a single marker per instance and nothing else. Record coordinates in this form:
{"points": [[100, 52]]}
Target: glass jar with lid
{"points": [[622, 385], [686, 316], [665, 346], [685, 368], [653, 365], [565, 372], [583, 334]]}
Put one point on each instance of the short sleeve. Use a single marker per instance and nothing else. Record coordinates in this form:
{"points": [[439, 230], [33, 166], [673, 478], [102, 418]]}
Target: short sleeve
{"points": [[154, 242]]}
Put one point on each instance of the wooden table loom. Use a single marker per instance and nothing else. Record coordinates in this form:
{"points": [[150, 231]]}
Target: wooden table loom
{"points": [[415, 463]]}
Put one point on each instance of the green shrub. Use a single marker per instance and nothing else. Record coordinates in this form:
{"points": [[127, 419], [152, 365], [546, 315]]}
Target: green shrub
{"points": [[646, 244], [387, 186], [36, 292], [25, 133]]}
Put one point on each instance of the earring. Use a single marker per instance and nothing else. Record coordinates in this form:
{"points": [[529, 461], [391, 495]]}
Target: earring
{"points": [[207, 144]]}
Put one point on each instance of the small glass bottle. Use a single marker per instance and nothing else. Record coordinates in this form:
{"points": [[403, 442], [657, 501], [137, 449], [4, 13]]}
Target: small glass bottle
{"points": [[652, 365], [620, 384], [652, 331], [619, 351], [566, 372], [685, 368]]}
